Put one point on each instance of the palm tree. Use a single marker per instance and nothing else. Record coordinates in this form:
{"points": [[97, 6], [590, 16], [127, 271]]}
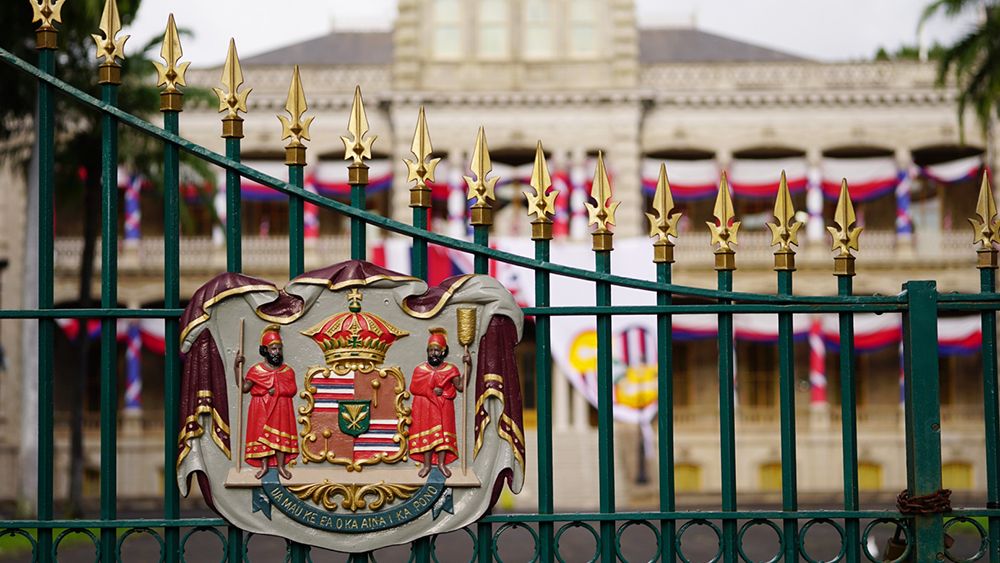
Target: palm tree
{"points": [[973, 60]]}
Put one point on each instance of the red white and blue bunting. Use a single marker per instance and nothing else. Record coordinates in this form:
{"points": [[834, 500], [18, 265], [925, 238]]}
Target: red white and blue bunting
{"points": [[690, 180], [955, 171]]}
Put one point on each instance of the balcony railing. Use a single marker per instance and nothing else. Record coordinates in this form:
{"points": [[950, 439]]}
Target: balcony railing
{"points": [[203, 254]]}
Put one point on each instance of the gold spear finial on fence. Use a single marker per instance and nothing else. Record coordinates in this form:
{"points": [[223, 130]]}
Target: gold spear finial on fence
{"points": [[481, 188], [231, 100], [421, 169], [603, 214], [785, 230], [663, 224], [542, 203], [110, 47], [845, 234], [295, 128], [725, 229], [48, 12], [171, 74], [359, 147], [986, 230]]}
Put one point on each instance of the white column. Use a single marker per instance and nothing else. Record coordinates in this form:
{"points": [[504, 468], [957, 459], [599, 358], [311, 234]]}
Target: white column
{"points": [[623, 160], [558, 165], [310, 212], [219, 202], [581, 411], [904, 212], [560, 399], [815, 228], [578, 195], [457, 199]]}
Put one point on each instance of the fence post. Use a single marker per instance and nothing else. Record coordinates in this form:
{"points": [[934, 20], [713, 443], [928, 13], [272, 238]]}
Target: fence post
{"points": [[171, 74], [923, 414]]}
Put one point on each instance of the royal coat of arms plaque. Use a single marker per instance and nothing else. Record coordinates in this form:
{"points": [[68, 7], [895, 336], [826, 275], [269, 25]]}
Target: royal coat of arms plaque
{"points": [[356, 408]]}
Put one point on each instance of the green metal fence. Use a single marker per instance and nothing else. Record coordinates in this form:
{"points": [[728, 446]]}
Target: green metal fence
{"points": [[922, 517]]}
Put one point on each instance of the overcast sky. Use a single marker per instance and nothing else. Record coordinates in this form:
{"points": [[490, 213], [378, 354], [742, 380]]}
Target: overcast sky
{"points": [[824, 30]]}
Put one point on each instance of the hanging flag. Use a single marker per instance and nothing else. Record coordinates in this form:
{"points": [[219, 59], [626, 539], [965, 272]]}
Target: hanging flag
{"points": [[867, 178], [330, 178], [954, 171], [759, 177], [690, 180]]}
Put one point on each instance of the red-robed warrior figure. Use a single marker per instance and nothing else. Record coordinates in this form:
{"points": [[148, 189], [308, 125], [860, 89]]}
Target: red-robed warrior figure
{"points": [[434, 385], [271, 428]]}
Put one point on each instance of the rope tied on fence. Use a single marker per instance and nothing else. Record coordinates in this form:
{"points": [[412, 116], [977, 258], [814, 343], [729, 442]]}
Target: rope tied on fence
{"points": [[934, 503]]}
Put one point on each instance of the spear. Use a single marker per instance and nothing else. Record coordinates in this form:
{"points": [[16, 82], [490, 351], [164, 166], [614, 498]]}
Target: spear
{"points": [[239, 414]]}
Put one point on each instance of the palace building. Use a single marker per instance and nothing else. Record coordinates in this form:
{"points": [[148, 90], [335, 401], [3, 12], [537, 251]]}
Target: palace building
{"points": [[586, 77]]}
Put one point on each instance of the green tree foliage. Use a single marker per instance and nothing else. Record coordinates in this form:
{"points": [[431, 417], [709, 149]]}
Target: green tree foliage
{"points": [[974, 60], [78, 151]]}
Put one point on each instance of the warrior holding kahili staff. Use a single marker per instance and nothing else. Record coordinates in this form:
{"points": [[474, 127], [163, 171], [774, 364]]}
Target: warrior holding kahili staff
{"points": [[434, 385]]}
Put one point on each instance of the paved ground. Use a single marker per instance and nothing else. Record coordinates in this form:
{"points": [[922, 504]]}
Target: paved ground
{"points": [[516, 545]]}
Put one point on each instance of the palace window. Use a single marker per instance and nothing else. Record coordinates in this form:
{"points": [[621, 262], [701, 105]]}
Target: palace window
{"points": [[583, 18], [493, 30], [539, 35], [447, 30]]}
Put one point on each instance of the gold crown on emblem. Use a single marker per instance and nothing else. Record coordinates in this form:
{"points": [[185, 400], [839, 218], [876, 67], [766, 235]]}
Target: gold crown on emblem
{"points": [[355, 335]]}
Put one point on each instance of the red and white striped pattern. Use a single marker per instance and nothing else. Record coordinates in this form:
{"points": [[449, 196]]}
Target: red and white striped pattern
{"points": [[817, 364], [378, 439], [331, 390]]}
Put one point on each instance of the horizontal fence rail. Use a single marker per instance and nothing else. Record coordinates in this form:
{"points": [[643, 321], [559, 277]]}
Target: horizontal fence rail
{"points": [[731, 533]]}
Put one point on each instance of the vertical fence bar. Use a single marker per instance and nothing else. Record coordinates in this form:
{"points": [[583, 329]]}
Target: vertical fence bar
{"points": [[661, 227], [849, 423], [601, 216], [543, 395], [845, 237], [724, 230], [418, 256], [296, 223], [171, 361], [358, 176], [786, 383], [171, 104], [985, 228], [296, 265], [481, 236], [234, 215], [542, 205], [232, 132], [46, 44], [991, 413], [923, 413], [605, 413], [484, 530], [420, 170], [665, 420], [481, 188], [298, 553], [358, 148], [296, 130], [727, 419], [109, 328], [233, 101], [784, 231]]}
